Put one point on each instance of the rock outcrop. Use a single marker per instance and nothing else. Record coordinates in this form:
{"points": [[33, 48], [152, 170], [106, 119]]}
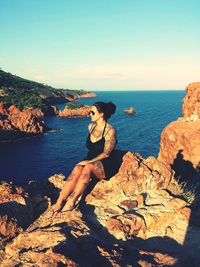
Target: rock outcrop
{"points": [[87, 95], [191, 102], [14, 214], [130, 220], [77, 112], [15, 123], [180, 140], [130, 111]]}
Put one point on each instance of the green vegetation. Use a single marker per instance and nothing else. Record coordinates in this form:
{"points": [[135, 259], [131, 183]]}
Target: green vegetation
{"points": [[74, 106], [22, 99], [24, 93]]}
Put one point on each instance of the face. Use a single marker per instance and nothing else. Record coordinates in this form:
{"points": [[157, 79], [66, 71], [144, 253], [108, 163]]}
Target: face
{"points": [[95, 114]]}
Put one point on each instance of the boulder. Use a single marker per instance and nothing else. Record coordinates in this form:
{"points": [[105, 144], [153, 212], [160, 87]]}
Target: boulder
{"points": [[130, 111]]}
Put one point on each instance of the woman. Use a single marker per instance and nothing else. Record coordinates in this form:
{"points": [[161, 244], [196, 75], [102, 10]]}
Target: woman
{"points": [[99, 162]]}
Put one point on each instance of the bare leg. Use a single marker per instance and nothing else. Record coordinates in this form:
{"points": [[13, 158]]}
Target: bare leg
{"points": [[68, 187], [84, 179]]}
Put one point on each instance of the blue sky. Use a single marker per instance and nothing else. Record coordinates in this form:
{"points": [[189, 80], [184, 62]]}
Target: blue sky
{"points": [[102, 45]]}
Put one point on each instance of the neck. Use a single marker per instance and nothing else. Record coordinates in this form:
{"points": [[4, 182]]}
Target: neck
{"points": [[100, 123]]}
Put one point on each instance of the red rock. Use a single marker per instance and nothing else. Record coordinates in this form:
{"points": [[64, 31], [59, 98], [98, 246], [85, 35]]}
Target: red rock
{"points": [[130, 111], [191, 102], [87, 95], [82, 112], [141, 174], [180, 140], [18, 122], [3, 110], [13, 211]]}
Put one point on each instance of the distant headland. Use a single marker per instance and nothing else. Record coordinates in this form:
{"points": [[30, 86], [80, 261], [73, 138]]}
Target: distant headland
{"points": [[24, 103]]}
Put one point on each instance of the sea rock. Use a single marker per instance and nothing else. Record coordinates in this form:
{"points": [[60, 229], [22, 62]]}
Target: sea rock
{"points": [[78, 112], [15, 123], [179, 143], [191, 102], [130, 111], [87, 95]]}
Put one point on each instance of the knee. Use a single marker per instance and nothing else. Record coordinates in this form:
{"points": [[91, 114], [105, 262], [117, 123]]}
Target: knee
{"points": [[78, 169], [89, 167]]}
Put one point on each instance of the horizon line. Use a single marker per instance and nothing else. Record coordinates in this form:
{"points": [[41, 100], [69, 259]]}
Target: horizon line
{"points": [[128, 90]]}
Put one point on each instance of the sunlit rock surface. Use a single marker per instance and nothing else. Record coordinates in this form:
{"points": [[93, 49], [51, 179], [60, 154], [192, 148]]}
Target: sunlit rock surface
{"points": [[15, 123], [191, 102], [180, 140], [130, 111], [124, 221], [78, 112]]}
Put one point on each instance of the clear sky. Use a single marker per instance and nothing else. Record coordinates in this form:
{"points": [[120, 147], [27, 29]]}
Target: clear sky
{"points": [[102, 44]]}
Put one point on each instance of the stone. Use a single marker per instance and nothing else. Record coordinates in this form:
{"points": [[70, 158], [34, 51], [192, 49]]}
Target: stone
{"points": [[130, 111], [79, 112]]}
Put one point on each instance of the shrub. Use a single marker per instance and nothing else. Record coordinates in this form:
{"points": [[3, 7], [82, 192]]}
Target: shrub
{"points": [[74, 106]]}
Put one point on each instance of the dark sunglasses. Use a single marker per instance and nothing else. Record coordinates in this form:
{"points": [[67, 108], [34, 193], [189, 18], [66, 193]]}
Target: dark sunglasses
{"points": [[92, 113]]}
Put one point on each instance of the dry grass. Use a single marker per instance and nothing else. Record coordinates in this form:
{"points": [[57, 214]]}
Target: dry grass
{"points": [[182, 190]]}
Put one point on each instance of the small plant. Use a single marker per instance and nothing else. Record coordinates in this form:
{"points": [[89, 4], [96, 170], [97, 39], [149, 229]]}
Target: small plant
{"points": [[74, 106], [182, 190]]}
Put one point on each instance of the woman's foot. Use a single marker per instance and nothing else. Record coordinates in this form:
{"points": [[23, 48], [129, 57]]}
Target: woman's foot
{"points": [[55, 210], [69, 206]]}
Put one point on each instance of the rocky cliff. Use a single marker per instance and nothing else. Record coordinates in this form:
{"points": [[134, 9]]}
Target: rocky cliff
{"points": [[180, 140], [15, 123], [77, 112], [191, 102], [130, 220]]}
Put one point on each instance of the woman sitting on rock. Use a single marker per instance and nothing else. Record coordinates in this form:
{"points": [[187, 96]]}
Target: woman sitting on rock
{"points": [[100, 160]]}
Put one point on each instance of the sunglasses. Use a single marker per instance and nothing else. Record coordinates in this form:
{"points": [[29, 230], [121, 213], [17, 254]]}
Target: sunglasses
{"points": [[92, 113]]}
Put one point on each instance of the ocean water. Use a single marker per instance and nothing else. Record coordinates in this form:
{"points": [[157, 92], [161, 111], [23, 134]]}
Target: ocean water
{"points": [[57, 152]]}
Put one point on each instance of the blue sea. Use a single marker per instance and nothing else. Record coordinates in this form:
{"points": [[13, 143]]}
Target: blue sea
{"points": [[38, 158]]}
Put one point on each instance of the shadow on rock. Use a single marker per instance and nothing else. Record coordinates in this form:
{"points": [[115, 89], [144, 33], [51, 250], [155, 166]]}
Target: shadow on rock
{"points": [[99, 248], [185, 169]]}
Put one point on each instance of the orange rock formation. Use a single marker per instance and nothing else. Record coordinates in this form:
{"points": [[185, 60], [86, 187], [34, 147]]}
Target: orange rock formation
{"points": [[180, 140], [79, 112], [15, 123], [130, 111], [87, 95]]}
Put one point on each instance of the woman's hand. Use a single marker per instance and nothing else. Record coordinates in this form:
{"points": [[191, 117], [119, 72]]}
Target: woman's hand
{"points": [[83, 163]]}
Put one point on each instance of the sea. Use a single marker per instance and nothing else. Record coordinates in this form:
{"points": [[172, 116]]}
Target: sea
{"points": [[56, 152]]}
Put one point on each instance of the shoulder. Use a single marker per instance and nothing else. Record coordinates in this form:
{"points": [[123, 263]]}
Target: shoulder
{"points": [[110, 130]]}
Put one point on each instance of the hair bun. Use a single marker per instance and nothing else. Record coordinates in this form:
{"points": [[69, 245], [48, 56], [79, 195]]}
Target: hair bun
{"points": [[107, 108], [111, 108]]}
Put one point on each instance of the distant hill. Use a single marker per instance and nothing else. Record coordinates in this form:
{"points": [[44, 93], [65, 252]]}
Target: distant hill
{"points": [[24, 93]]}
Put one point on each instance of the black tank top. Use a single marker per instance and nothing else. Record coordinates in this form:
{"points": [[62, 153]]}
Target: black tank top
{"points": [[95, 148]]}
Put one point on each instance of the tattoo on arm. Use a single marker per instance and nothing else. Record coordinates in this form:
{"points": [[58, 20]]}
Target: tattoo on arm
{"points": [[110, 141]]}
